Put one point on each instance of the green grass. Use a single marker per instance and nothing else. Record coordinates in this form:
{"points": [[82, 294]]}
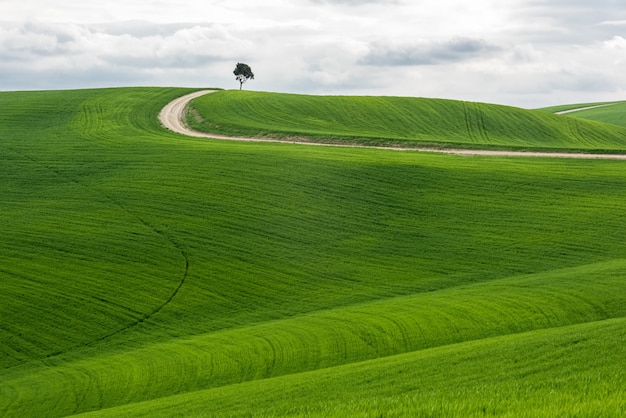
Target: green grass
{"points": [[340, 336], [398, 121], [163, 275], [613, 114], [568, 371], [573, 106]]}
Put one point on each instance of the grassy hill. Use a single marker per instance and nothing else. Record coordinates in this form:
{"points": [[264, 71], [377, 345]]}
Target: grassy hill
{"points": [[399, 120], [144, 273], [611, 113]]}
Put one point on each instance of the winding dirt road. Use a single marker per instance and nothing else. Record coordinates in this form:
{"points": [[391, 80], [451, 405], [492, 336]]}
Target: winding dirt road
{"points": [[173, 114]]}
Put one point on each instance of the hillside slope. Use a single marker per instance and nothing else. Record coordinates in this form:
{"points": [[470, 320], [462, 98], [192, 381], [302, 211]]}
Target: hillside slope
{"points": [[610, 113], [398, 120], [160, 274]]}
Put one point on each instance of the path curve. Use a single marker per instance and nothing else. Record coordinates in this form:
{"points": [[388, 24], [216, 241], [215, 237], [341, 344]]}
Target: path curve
{"points": [[173, 114]]}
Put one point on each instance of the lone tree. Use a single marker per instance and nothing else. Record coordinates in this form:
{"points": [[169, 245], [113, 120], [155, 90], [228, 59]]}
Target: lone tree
{"points": [[243, 73]]}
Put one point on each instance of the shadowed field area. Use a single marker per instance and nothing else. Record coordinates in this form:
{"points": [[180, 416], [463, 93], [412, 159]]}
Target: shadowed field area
{"points": [[144, 273]]}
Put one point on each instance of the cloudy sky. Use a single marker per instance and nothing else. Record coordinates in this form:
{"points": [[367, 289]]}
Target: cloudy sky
{"points": [[527, 53]]}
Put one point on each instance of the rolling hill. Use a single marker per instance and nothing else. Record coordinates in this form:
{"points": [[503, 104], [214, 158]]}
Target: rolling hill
{"points": [[611, 112], [144, 273], [399, 121]]}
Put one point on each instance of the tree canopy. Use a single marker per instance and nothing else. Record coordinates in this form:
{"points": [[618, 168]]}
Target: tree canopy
{"points": [[243, 73]]}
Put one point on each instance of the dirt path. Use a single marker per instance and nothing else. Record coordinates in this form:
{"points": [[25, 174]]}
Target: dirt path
{"points": [[563, 112], [172, 117]]}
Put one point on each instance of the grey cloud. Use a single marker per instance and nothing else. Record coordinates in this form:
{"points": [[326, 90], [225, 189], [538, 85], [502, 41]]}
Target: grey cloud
{"points": [[578, 4], [614, 23], [155, 43], [562, 48], [143, 29], [582, 82], [571, 21], [354, 2], [66, 78], [430, 53], [578, 10], [563, 82], [36, 53]]}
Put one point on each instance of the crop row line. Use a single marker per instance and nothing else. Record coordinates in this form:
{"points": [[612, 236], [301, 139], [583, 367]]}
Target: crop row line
{"points": [[159, 308]]}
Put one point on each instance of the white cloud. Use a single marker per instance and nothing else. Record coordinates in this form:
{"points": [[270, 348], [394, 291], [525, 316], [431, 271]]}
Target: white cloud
{"points": [[614, 23], [80, 49], [616, 43], [520, 52]]}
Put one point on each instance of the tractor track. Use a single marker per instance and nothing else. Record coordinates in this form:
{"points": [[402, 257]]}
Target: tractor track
{"points": [[146, 316]]}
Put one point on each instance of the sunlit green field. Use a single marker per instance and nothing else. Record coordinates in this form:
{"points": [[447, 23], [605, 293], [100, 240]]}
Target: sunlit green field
{"points": [[144, 273], [399, 120], [612, 113]]}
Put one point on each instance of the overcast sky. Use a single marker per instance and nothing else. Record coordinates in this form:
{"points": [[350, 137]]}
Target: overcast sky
{"points": [[527, 53]]}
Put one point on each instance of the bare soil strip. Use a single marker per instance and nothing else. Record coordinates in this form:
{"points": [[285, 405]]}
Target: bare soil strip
{"points": [[563, 112], [172, 117]]}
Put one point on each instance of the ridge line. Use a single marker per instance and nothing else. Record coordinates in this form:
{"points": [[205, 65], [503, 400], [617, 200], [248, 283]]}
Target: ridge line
{"points": [[173, 114]]}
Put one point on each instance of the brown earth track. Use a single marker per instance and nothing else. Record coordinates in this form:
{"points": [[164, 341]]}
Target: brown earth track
{"points": [[173, 114]]}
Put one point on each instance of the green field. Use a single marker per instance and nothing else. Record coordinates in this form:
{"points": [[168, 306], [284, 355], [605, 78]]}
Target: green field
{"points": [[144, 273], [612, 112], [399, 121]]}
